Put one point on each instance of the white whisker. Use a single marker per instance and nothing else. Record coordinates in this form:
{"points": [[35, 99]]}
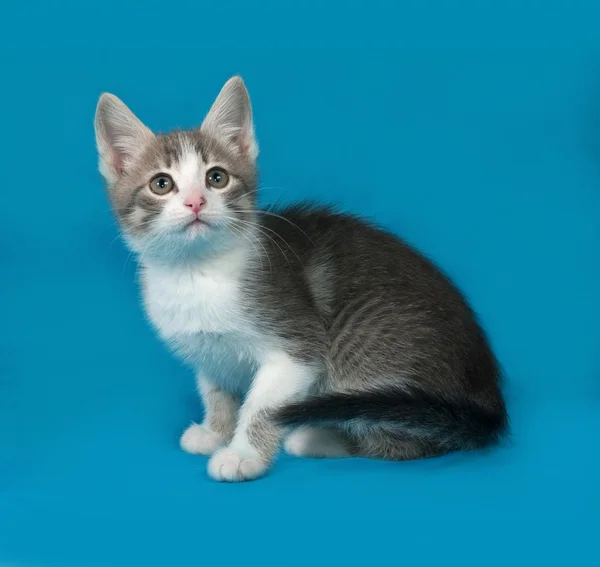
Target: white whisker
{"points": [[269, 213]]}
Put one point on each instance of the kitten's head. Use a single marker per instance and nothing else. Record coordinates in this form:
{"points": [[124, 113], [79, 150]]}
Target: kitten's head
{"points": [[186, 191]]}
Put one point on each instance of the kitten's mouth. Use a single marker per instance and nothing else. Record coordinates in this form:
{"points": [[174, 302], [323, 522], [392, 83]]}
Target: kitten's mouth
{"points": [[196, 223]]}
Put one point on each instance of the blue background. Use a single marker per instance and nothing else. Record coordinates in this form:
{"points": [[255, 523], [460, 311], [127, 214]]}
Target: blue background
{"points": [[471, 129]]}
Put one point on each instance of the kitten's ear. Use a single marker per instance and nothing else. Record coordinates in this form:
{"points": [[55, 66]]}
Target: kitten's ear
{"points": [[120, 136], [230, 118]]}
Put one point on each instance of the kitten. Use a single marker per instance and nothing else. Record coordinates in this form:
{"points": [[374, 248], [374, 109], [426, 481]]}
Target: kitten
{"points": [[300, 321]]}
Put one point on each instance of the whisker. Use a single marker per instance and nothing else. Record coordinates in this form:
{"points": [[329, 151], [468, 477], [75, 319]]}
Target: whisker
{"points": [[260, 229], [247, 236], [258, 226], [248, 232], [244, 195], [269, 213]]}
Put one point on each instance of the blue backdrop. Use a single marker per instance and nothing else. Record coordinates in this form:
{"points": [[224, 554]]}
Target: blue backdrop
{"points": [[471, 130]]}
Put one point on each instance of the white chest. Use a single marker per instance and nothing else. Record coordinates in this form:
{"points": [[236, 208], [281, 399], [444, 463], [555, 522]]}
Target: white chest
{"points": [[198, 312]]}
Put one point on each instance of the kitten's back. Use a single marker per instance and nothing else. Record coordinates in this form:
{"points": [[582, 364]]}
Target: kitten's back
{"points": [[397, 329]]}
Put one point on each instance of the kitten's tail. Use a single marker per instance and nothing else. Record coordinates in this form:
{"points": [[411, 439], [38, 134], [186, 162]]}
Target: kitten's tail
{"points": [[455, 425]]}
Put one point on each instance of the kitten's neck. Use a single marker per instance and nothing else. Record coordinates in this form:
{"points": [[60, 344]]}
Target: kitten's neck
{"points": [[230, 255]]}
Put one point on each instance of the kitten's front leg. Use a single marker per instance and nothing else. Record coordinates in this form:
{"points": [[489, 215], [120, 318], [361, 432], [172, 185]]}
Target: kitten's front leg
{"points": [[220, 417], [279, 379]]}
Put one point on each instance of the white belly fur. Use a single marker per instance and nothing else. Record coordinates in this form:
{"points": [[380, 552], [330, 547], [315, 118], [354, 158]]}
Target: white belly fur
{"points": [[197, 312]]}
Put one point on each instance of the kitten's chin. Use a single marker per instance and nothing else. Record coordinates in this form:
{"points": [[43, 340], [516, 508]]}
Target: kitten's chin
{"points": [[197, 229], [195, 243]]}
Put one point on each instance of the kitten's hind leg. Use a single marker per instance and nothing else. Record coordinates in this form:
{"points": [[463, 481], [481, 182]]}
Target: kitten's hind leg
{"points": [[318, 443]]}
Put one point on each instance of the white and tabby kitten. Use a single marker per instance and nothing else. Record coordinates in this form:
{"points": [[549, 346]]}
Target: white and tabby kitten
{"points": [[300, 321]]}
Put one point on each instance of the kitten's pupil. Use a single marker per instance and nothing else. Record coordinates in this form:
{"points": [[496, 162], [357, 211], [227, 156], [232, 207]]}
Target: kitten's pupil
{"points": [[216, 177]]}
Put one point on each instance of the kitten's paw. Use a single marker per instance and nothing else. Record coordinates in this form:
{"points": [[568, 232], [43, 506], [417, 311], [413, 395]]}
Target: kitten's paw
{"points": [[199, 440], [316, 443], [229, 465]]}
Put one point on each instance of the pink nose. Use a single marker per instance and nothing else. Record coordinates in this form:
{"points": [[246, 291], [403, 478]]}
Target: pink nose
{"points": [[195, 203]]}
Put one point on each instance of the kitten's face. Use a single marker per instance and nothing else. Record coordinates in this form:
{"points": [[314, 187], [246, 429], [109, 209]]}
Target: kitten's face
{"points": [[187, 191]]}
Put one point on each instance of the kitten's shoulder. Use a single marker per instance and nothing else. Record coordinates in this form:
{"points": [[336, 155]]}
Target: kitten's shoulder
{"points": [[320, 214], [310, 210], [314, 217]]}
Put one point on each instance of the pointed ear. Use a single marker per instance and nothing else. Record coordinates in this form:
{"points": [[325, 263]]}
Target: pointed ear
{"points": [[230, 118], [120, 136]]}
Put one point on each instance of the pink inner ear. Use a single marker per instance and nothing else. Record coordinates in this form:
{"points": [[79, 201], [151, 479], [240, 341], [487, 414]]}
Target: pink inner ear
{"points": [[240, 140], [117, 163]]}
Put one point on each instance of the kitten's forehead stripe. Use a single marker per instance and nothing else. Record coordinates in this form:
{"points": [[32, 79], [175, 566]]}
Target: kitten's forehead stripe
{"points": [[199, 146], [168, 158], [171, 148]]}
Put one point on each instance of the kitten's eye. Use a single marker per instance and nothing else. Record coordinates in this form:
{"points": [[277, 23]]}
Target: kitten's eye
{"points": [[161, 184], [217, 178]]}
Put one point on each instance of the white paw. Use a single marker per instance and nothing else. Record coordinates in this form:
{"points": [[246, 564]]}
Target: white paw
{"points": [[315, 443], [228, 465], [199, 440]]}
